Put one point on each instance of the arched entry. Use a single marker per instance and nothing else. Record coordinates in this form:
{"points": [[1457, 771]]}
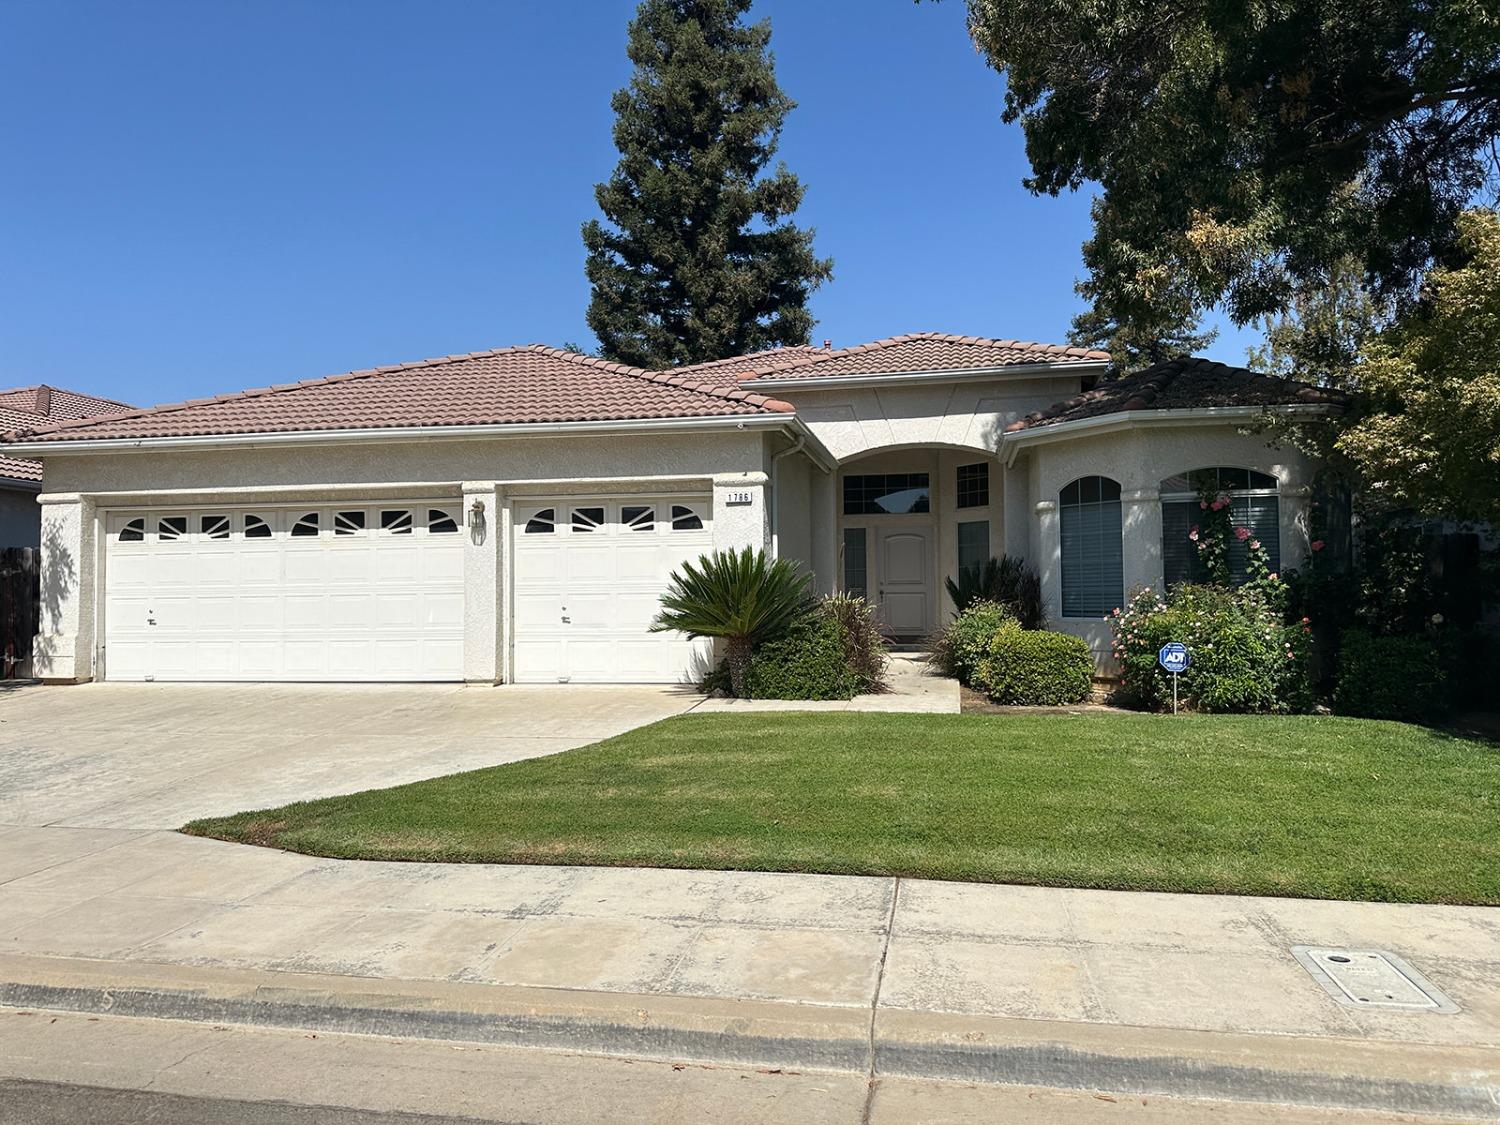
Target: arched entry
{"points": [[910, 516]]}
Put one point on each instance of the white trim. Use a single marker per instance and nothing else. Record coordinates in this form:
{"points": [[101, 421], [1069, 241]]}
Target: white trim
{"points": [[764, 384], [1123, 419], [711, 423]]}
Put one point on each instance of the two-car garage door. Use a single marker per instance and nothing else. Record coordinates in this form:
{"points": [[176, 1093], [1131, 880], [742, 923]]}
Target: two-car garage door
{"points": [[354, 591], [374, 591]]}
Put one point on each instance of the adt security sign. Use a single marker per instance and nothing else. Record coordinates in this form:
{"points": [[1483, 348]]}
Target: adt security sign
{"points": [[1174, 657]]}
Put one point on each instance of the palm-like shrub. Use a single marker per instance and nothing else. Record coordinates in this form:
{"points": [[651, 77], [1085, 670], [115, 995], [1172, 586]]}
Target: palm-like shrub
{"points": [[1005, 581], [741, 596]]}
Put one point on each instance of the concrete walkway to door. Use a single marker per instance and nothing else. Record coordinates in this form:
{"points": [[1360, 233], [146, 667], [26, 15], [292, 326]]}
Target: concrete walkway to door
{"points": [[159, 755]]}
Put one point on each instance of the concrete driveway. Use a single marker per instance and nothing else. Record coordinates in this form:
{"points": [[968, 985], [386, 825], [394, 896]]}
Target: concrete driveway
{"points": [[158, 755]]}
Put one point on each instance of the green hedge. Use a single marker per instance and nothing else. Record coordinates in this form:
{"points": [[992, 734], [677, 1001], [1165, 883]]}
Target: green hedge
{"points": [[1030, 666], [1390, 678], [808, 661], [965, 640]]}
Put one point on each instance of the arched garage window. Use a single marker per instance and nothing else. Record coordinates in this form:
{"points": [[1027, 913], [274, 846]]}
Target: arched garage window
{"points": [[1093, 564], [1253, 504]]}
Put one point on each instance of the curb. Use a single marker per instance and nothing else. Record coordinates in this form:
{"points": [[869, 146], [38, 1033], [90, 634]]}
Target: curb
{"points": [[1455, 1082]]}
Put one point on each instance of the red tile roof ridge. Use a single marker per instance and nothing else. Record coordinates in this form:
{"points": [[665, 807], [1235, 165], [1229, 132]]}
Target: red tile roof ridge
{"points": [[1067, 350], [83, 424]]}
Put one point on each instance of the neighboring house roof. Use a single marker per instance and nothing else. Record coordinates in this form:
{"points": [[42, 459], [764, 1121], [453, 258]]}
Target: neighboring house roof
{"points": [[918, 352], [1179, 384], [527, 384], [25, 408]]}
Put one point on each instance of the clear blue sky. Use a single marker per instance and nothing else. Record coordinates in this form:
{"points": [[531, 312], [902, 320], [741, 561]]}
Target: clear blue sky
{"points": [[201, 197]]}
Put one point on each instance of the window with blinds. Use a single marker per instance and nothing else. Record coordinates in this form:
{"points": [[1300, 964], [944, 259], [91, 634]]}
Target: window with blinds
{"points": [[1253, 504], [1093, 561]]}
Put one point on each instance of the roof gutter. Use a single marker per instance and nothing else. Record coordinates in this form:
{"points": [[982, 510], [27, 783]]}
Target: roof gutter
{"points": [[970, 374], [1013, 443], [200, 442]]}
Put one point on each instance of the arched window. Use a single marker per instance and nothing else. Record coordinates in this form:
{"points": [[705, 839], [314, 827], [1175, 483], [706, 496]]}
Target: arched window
{"points": [[1253, 505], [1093, 562]]}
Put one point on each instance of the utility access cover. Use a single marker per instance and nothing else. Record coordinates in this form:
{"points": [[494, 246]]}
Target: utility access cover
{"points": [[1372, 978]]}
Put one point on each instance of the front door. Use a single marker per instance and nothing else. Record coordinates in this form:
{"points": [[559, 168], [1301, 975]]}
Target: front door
{"points": [[905, 577]]}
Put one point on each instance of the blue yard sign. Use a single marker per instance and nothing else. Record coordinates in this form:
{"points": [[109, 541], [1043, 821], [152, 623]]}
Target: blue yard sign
{"points": [[1175, 658]]}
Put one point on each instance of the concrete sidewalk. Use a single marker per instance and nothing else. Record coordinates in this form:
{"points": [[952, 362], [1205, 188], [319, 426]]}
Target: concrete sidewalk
{"points": [[1169, 994]]}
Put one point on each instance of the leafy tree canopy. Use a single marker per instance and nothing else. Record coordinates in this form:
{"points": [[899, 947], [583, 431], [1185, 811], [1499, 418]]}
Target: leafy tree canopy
{"points": [[1246, 149], [1425, 433], [698, 258]]}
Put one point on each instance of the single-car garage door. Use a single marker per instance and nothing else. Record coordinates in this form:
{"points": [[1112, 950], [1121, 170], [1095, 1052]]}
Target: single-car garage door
{"points": [[355, 591], [589, 574]]}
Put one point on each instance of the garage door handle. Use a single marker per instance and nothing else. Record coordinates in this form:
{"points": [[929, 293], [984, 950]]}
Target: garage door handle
{"points": [[567, 621]]}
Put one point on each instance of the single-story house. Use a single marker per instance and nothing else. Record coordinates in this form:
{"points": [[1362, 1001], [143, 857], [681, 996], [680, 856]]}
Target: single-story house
{"points": [[27, 408], [514, 515]]}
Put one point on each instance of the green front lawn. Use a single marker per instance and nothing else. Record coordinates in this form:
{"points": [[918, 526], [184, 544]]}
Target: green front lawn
{"points": [[1317, 807]]}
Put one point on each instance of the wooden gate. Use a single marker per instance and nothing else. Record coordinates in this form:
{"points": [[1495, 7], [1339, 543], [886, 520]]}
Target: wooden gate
{"points": [[20, 609]]}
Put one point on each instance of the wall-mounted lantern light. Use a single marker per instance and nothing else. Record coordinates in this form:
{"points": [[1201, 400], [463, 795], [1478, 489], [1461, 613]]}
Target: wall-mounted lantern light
{"points": [[476, 519]]}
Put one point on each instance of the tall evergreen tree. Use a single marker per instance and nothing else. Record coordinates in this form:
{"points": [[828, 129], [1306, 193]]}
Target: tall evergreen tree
{"points": [[698, 258]]}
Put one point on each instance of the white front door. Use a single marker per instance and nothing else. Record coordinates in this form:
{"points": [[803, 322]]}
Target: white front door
{"points": [[589, 575], [361, 590], [905, 576]]}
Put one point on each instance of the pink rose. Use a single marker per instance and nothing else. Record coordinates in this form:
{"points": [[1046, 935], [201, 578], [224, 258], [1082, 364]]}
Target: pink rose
{"points": [[1242, 533], [1255, 544], [1316, 544], [1202, 504], [1216, 505], [1193, 535]]}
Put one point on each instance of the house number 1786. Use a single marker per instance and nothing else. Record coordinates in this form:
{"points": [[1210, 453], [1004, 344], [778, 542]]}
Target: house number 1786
{"points": [[740, 498]]}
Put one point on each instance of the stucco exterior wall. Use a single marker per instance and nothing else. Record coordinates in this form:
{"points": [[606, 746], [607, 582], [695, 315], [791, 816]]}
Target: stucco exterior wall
{"points": [[723, 463], [856, 420], [1139, 458], [20, 518]]}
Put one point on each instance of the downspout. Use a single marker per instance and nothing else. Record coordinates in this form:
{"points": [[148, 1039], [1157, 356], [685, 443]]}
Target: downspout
{"points": [[795, 447]]}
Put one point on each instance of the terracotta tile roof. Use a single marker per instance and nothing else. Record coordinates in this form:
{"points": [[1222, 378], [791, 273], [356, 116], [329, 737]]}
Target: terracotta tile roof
{"points": [[40, 405], [531, 383], [57, 403], [922, 352], [791, 353], [1179, 384]]}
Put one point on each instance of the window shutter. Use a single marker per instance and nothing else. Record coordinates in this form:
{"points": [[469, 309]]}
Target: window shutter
{"points": [[1093, 564]]}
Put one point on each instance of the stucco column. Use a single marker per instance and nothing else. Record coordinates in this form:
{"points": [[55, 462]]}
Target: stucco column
{"points": [[740, 518], [1140, 534], [1014, 520], [64, 647], [1049, 560], [823, 496], [483, 573]]}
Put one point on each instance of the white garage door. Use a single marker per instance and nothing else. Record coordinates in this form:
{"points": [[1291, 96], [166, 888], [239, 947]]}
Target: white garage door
{"points": [[589, 574], [357, 591]]}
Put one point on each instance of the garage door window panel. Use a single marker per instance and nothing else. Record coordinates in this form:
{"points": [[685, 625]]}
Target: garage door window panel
{"points": [[348, 522], [133, 530], [396, 521], [213, 527], [306, 526], [257, 527], [171, 528], [636, 517], [685, 518], [542, 523], [586, 521], [441, 522]]}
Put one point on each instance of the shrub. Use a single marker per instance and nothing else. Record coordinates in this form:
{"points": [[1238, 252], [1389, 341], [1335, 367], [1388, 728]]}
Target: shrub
{"points": [[743, 597], [965, 640], [1244, 657], [1031, 666], [807, 661], [1390, 678], [864, 647], [1005, 581]]}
